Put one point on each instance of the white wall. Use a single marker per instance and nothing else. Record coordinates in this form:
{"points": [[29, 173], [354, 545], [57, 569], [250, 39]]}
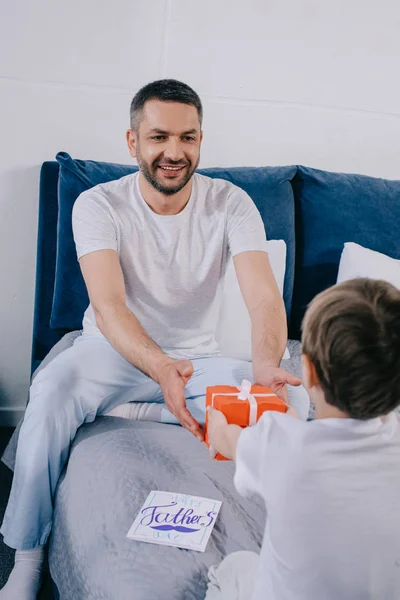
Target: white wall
{"points": [[295, 81]]}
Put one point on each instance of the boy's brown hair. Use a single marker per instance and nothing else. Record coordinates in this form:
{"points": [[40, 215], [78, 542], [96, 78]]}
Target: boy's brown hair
{"points": [[351, 333]]}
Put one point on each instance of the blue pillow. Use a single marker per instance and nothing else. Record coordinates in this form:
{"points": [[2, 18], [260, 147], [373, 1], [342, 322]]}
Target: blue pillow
{"points": [[269, 187], [331, 209], [70, 298]]}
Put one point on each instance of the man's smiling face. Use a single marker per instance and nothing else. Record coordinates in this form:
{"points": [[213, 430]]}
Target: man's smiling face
{"points": [[166, 144]]}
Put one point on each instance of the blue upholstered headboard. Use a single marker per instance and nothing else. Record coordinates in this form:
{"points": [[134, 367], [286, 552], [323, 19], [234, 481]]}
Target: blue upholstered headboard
{"points": [[44, 338]]}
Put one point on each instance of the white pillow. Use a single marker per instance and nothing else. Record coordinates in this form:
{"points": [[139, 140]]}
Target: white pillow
{"points": [[357, 261], [234, 327]]}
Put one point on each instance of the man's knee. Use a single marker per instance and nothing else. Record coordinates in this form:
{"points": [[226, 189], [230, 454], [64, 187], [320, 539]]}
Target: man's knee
{"points": [[221, 370], [46, 397], [53, 393]]}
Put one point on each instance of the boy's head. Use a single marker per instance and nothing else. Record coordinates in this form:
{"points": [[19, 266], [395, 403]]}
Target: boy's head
{"points": [[351, 343]]}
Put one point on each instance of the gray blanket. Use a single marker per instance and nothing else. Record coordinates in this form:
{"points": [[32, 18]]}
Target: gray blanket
{"points": [[114, 464]]}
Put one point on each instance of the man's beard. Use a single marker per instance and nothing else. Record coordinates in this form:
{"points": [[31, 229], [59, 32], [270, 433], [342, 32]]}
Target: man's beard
{"points": [[150, 173]]}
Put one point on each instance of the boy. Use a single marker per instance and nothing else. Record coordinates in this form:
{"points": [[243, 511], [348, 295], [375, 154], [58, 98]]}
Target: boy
{"points": [[332, 486]]}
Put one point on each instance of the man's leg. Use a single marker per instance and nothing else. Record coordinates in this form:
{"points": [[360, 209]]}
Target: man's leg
{"points": [[88, 379], [234, 578]]}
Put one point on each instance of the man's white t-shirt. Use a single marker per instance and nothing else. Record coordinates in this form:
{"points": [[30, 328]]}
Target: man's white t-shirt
{"points": [[173, 266], [332, 493]]}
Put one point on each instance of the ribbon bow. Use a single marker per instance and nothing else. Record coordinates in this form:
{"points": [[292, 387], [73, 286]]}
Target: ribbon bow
{"points": [[245, 394]]}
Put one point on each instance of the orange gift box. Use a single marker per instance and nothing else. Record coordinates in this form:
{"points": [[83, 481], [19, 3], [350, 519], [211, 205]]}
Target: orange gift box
{"points": [[241, 406]]}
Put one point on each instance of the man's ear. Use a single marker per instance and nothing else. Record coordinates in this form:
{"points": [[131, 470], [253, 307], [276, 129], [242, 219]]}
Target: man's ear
{"points": [[310, 376], [131, 141]]}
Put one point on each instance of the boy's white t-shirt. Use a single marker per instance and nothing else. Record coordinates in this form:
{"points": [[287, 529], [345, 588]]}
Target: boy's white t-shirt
{"points": [[173, 266], [332, 493]]}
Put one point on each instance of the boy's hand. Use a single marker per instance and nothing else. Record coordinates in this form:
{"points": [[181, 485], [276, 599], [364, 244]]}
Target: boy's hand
{"points": [[223, 438], [216, 428]]}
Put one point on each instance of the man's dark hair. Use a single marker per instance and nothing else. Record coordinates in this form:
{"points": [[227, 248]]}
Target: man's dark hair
{"points": [[166, 90], [351, 334]]}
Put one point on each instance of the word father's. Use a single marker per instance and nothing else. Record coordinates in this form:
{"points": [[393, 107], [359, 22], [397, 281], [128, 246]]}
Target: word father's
{"points": [[161, 518], [175, 519]]}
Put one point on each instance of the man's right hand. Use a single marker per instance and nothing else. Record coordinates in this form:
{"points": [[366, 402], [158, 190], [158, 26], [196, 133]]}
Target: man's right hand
{"points": [[173, 377]]}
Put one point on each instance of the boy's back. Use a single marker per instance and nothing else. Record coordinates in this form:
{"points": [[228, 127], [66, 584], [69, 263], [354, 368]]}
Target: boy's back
{"points": [[332, 493], [332, 486]]}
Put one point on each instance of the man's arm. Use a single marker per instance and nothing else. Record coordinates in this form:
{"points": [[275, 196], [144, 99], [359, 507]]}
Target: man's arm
{"points": [[106, 288], [268, 320], [266, 308]]}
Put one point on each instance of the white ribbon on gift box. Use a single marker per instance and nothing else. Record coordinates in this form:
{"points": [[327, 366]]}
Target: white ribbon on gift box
{"points": [[246, 395]]}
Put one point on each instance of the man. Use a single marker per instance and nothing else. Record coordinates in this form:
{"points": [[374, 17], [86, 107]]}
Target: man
{"points": [[153, 249]]}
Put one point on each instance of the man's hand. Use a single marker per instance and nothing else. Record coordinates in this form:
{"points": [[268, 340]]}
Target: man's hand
{"points": [[173, 377], [276, 379]]}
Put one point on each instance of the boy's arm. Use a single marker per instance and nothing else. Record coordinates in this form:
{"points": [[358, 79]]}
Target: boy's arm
{"points": [[223, 437], [251, 448]]}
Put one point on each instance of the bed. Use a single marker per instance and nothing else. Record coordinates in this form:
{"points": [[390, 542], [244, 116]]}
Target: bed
{"points": [[114, 463]]}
